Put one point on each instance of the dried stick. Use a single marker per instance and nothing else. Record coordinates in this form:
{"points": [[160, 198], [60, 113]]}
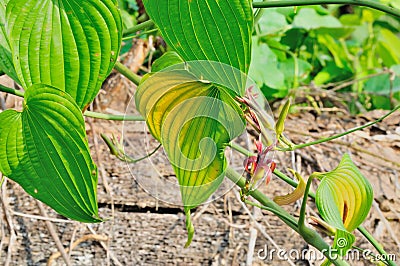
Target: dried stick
{"points": [[75, 244], [112, 256], [53, 234], [9, 220]]}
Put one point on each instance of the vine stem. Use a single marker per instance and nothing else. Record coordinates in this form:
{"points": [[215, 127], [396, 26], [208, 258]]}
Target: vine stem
{"points": [[121, 68], [139, 27], [319, 141], [311, 236], [86, 113], [11, 91], [376, 245], [368, 3], [114, 117]]}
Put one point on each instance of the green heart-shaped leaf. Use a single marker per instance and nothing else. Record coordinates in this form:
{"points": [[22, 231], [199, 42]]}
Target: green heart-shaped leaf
{"points": [[69, 44], [344, 199], [6, 63], [44, 149], [194, 119], [206, 30]]}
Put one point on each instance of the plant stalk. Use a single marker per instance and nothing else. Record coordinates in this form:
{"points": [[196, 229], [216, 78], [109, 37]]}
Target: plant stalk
{"points": [[11, 91], [113, 117], [121, 68], [311, 236], [368, 3], [136, 28], [319, 141], [86, 113]]}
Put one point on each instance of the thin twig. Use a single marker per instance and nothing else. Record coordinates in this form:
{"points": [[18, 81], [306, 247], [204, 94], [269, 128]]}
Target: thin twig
{"points": [[75, 244], [386, 223], [13, 236], [53, 234], [112, 256], [38, 217], [290, 3]]}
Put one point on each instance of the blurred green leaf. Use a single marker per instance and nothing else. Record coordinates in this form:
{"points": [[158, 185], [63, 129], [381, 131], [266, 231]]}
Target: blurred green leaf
{"points": [[263, 68], [332, 73], [288, 69], [388, 48], [381, 85], [335, 33], [272, 21], [308, 18]]}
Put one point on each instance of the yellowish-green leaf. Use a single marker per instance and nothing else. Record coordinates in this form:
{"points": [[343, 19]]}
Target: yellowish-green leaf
{"points": [[194, 116], [295, 194], [344, 199]]}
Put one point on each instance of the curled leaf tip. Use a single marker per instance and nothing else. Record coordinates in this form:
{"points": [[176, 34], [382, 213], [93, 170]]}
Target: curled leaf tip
{"points": [[321, 224], [280, 124], [296, 194], [189, 228]]}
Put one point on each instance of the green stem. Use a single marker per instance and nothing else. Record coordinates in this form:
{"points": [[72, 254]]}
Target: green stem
{"points": [[114, 117], [241, 149], [368, 3], [136, 28], [299, 146], [121, 68], [139, 34], [87, 113], [376, 244], [312, 237], [11, 91]]}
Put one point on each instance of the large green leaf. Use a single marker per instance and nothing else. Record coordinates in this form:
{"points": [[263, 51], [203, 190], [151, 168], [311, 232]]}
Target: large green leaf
{"points": [[206, 30], [6, 63], [44, 149], [344, 199], [194, 116], [69, 44]]}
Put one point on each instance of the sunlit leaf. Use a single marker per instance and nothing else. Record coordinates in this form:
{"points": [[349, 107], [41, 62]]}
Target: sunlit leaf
{"points": [[44, 149], [344, 199], [166, 60], [69, 44], [206, 30]]}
